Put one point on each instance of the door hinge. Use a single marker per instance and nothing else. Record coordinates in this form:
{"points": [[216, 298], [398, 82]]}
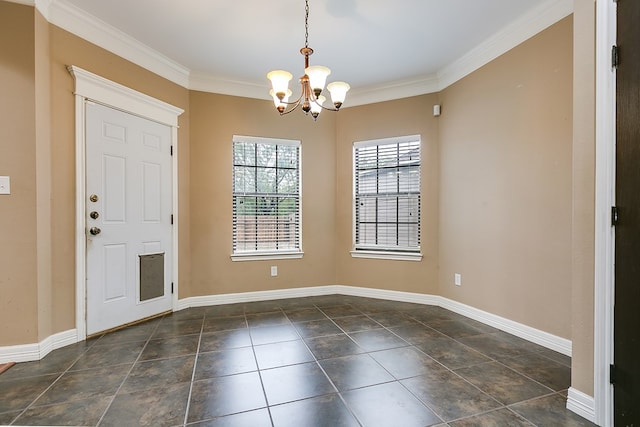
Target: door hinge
{"points": [[615, 57], [612, 374], [171, 287], [171, 150], [614, 216], [171, 219]]}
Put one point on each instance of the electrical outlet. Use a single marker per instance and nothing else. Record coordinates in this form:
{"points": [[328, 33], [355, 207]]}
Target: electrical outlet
{"points": [[274, 270], [457, 279], [5, 185]]}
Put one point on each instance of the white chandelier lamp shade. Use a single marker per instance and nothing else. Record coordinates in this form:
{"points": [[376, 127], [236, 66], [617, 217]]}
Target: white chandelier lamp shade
{"points": [[311, 84], [281, 104], [317, 77], [316, 107], [280, 82], [338, 91]]}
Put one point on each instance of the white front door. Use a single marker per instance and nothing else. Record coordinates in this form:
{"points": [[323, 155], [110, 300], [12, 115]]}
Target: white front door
{"points": [[128, 218]]}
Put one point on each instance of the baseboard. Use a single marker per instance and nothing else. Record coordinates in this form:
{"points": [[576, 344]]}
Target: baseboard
{"points": [[31, 352], [528, 333], [545, 339], [235, 298], [582, 404]]}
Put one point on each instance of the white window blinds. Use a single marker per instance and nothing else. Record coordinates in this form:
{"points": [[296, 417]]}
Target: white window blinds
{"points": [[266, 195], [387, 194]]}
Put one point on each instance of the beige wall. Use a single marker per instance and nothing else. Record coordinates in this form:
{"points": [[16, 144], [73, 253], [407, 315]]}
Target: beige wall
{"points": [[505, 184], [497, 185], [388, 119], [214, 121], [18, 234], [583, 215]]}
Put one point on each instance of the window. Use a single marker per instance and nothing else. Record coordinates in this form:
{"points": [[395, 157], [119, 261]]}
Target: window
{"points": [[387, 198], [266, 198]]}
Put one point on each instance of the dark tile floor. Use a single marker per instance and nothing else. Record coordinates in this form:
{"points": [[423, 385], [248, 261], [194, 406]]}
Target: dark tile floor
{"points": [[318, 361]]}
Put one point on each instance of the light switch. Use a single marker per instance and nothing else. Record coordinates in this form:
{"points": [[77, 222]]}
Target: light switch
{"points": [[5, 185]]}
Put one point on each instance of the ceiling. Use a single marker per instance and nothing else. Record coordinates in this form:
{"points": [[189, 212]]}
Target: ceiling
{"points": [[384, 49]]}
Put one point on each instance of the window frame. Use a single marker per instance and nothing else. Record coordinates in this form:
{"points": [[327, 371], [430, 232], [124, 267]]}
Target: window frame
{"points": [[256, 255], [385, 252]]}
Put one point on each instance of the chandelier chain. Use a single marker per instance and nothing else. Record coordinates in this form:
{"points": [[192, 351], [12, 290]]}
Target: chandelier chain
{"points": [[306, 23]]}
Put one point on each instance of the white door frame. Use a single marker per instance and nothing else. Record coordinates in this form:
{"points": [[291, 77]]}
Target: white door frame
{"points": [[89, 86], [605, 195]]}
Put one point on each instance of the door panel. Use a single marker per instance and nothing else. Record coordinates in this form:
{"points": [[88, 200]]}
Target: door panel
{"points": [[627, 259], [128, 184]]}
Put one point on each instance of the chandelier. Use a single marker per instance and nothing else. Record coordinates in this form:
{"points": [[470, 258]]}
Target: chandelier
{"points": [[312, 83]]}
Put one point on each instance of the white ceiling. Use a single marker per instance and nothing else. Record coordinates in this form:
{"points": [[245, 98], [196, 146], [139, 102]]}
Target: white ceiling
{"points": [[385, 49]]}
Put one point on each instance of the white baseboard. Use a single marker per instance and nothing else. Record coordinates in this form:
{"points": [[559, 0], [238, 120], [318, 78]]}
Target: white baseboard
{"points": [[545, 339], [31, 352], [582, 404], [528, 333]]}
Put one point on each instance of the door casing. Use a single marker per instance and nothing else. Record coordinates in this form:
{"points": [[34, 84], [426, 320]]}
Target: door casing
{"points": [[89, 86]]}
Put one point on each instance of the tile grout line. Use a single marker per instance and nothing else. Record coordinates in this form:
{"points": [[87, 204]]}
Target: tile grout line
{"points": [[193, 372]]}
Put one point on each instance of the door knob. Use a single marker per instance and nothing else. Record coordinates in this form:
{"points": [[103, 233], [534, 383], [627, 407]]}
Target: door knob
{"points": [[94, 215], [93, 198], [95, 231]]}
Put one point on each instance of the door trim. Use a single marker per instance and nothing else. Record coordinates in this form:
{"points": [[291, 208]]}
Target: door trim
{"points": [[604, 274], [89, 86]]}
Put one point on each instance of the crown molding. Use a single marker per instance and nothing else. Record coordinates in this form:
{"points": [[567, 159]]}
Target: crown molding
{"points": [[509, 37], [78, 22]]}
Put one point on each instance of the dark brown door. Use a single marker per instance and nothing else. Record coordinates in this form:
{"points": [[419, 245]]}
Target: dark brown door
{"points": [[627, 280]]}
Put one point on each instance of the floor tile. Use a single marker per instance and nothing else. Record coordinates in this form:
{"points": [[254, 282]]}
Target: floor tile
{"points": [[170, 347], [262, 306], [157, 373], [295, 382], [257, 418], [333, 346], [163, 406], [449, 396], [109, 355], [217, 324], [273, 334], [76, 413], [550, 411], [458, 329], [377, 339], [224, 310], [225, 362], [323, 411], [392, 319], [19, 393], [556, 357], [350, 372], [7, 417], [450, 353], [267, 319], [415, 333], [317, 328], [282, 354], [340, 311], [82, 385], [543, 370], [356, 323], [225, 340], [140, 332], [499, 418], [222, 396], [57, 361], [173, 328], [389, 405], [494, 346], [502, 383], [305, 315], [406, 362]]}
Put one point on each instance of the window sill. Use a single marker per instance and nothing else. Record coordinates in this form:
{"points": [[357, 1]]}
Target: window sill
{"points": [[266, 256], [396, 256]]}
